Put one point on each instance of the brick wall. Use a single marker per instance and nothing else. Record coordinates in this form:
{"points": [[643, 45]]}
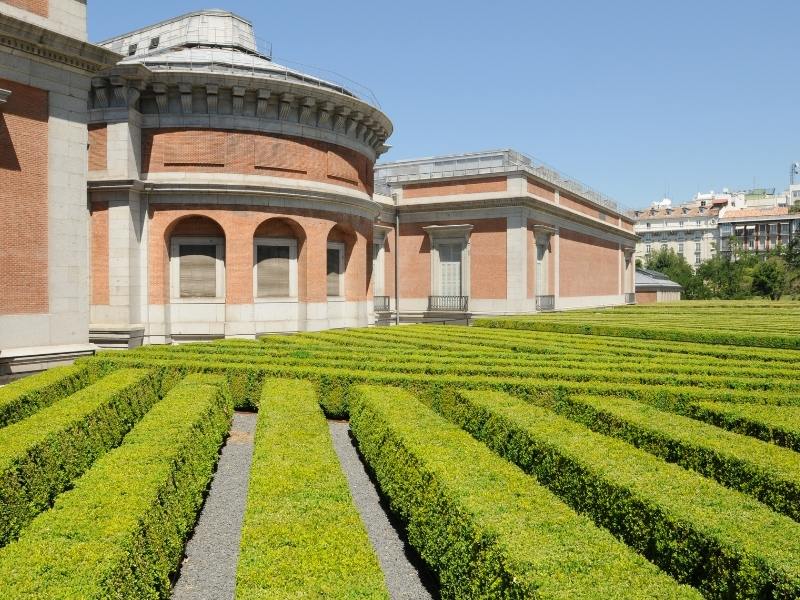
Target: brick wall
{"points": [[37, 7], [454, 188], [99, 252], [98, 147], [541, 190], [24, 201], [487, 259], [239, 224], [646, 297], [248, 153], [589, 266], [586, 209]]}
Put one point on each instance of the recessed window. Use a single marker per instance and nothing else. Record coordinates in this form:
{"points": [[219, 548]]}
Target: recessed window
{"points": [[154, 43], [197, 268], [275, 269], [335, 281]]}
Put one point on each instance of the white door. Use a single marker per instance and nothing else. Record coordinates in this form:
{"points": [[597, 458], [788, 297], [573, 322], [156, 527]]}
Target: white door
{"points": [[450, 268]]}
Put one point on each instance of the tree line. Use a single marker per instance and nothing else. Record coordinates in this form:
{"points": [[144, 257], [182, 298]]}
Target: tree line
{"points": [[734, 275]]}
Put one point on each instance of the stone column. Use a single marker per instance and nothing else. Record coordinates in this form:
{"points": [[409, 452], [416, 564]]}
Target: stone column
{"points": [[516, 262]]}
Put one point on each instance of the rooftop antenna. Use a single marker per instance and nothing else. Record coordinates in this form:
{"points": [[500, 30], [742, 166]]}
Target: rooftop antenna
{"points": [[793, 170]]}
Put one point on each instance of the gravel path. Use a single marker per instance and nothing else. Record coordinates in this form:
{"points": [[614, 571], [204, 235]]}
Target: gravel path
{"points": [[405, 579], [209, 568]]}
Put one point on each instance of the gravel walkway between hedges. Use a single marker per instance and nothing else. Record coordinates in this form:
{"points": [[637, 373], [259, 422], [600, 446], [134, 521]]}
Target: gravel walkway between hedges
{"points": [[403, 578], [209, 568]]}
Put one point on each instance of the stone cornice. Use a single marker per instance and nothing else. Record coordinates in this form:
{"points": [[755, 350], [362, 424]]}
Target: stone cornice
{"points": [[528, 201], [325, 197], [229, 101], [54, 47]]}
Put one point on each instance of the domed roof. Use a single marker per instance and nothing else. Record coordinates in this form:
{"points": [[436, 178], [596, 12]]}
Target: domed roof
{"points": [[211, 40]]}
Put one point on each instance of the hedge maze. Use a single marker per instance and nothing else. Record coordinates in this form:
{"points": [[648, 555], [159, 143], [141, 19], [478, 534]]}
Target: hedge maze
{"points": [[520, 463]]}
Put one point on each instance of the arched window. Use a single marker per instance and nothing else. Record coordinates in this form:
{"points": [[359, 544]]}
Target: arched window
{"points": [[276, 247], [197, 260], [340, 243]]}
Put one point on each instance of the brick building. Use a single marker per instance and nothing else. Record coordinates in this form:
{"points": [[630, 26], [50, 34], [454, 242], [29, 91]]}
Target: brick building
{"points": [[229, 196], [45, 72]]}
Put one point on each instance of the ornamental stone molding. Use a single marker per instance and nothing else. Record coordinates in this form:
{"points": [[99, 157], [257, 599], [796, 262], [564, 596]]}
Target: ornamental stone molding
{"points": [[48, 46], [4, 96], [172, 99]]}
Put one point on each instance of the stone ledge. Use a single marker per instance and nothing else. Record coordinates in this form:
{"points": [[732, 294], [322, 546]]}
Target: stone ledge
{"points": [[21, 361]]}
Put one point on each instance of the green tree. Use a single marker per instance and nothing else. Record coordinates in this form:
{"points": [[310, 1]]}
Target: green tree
{"points": [[770, 278], [675, 267], [791, 256], [728, 275]]}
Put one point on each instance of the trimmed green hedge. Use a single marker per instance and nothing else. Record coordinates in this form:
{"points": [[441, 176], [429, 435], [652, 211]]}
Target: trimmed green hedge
{"points": [[777, 424], [120, 532], [41, 455], [693, 528], [486, 528], [302, 535], [244, 382], [767, 472], [24, 397], [730, 338]]}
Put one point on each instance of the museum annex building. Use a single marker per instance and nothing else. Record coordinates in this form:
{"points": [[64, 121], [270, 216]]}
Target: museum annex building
{"points": [[175, 184]]}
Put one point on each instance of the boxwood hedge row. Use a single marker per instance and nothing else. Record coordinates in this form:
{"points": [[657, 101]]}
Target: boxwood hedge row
{"points": [[41, 455], [731, 338], [486, 528], [25, 396], [776, 424], [302, 535], [693, 528], [765, 471], [120, 533]]}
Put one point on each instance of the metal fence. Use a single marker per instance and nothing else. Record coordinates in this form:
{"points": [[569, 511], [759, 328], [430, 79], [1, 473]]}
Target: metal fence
{"points": [[545, 303], [448, 303], [381, 303]]}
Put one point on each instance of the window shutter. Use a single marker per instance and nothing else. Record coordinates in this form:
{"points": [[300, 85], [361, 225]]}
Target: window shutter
{"points": [[273, 271], [450, 269], [198, 270], [334, 272]]}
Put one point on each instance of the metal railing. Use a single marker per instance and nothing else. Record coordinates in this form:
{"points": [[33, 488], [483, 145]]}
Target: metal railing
{"points": [[448, 303], [545, 303], [501, 161], [630, 298], [381, 303]]}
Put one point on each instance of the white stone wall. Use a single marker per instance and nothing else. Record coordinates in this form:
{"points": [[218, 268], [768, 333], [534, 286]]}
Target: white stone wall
{"points": [[67, 17], [67, 322]]}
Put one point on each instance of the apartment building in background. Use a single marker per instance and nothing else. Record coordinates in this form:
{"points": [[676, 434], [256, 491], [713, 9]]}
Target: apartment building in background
{"points": [[758, 220], [690, 229]]}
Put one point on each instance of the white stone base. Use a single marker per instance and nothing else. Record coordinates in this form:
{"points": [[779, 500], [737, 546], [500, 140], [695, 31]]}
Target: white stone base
{"points": [[20, 361], [194, 321]]}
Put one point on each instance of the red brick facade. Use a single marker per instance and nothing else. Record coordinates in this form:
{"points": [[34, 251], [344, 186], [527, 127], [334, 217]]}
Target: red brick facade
{"points": [[98, 147], [99, 252], [37, 7], [453, 188], [239, 225], [24, 201], [247, 153], [541, 190], [589, 266]]}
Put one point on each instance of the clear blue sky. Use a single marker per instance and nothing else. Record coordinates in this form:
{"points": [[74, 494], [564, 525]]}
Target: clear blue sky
{"points": [[635, 98]]}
